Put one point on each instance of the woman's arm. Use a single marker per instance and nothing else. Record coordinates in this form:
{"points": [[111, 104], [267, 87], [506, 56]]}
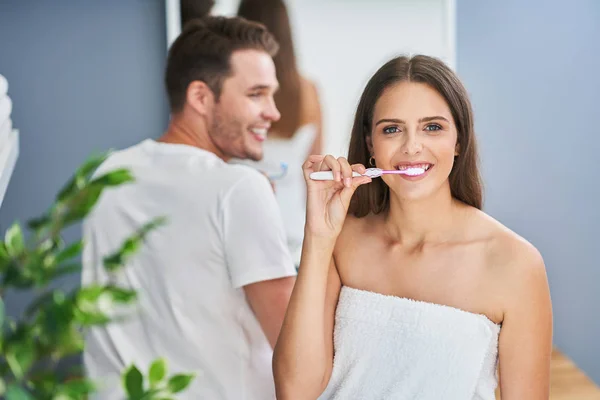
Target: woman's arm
{"points": [[303, 356], [525, 345]]}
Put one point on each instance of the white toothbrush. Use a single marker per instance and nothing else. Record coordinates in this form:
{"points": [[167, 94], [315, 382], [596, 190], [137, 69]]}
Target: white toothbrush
{"points": [[370, 172]]}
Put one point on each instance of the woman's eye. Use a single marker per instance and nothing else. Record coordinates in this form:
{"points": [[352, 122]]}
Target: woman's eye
{"points": [[433, 127], [391, 129]]}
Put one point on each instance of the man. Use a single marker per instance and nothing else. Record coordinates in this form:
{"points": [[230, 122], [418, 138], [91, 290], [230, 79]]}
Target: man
{"points": [[215, 281]]}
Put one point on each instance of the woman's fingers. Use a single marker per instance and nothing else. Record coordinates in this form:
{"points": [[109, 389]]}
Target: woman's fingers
{"points": [[359, 168], [329, 163], [346, 171], [340, 167]]}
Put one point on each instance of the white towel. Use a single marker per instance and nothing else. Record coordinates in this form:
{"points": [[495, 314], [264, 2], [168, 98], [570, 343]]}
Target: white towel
{"points": [[5, 108], [5, 129], [3, 85], [389, 347]]}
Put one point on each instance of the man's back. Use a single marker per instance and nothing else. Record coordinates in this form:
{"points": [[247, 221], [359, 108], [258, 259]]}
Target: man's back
{"points": [[190, 272]]}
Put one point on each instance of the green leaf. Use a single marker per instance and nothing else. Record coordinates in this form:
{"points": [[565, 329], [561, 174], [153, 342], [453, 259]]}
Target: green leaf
{"points": [[20, 356], [116, 260], [70, 252], [130, 246], [65, 270], [81, 176], [70, 341], [153, 394], [121, 295], [133, 383], [89, 293], [114, 178], [39, 302], [150, 226], [70, 188], [17, 277], [2, 386], [64, 396], [14, 241], [57, 335], [4, 257], [2, 314], [82, 203], [179, 382], [157, 372], [87, 310], [15, 392], [44, 384], [77, 388], [39, 222]]}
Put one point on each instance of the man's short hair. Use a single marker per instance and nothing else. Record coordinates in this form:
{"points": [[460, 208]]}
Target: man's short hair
{"points": [[202, 52]]}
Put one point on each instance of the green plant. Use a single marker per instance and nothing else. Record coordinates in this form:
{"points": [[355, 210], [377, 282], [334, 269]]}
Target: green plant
{"points": [[50, 330]]}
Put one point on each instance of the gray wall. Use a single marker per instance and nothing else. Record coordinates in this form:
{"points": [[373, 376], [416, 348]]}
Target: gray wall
{"points": [[533, 70], [84, 76]]}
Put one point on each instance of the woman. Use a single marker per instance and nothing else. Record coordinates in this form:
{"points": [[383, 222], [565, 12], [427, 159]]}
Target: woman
{"points": [[192, 9], [298, 133], [417, 292]]}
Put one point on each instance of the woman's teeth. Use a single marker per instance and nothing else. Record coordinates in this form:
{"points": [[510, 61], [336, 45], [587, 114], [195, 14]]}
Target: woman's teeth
{"points": [[415, 169]]}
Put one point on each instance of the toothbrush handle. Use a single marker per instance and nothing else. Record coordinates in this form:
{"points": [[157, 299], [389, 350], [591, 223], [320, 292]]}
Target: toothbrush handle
{"points": [[327, 175]]}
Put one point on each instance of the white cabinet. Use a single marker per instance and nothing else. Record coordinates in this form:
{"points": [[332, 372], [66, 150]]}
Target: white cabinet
{"points": [[9, 139], [9, 152]]}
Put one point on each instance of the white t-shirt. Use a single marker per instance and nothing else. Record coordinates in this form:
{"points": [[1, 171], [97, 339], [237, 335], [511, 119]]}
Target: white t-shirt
{"points": [[224, 231], [290, 190]]}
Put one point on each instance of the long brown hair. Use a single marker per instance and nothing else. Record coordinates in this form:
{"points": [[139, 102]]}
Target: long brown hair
{"points": [[465, 179], [274, 16]]}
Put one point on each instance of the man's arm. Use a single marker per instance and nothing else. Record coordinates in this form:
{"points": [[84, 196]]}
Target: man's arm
{"points": [[269, 301], [256, 251]]}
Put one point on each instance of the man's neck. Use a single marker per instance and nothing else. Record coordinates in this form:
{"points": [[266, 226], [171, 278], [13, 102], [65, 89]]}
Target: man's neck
{"points": [[181, 132]]}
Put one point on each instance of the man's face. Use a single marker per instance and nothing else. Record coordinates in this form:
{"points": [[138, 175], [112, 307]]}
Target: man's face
{"points": [[246, 108]]}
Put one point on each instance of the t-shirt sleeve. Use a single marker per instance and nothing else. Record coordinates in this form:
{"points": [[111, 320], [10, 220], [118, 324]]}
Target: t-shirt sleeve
{"points": [[253, 233]]}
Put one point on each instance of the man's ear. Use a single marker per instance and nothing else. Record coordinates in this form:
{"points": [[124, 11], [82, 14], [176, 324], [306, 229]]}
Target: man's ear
{"points": [[200, 97]]}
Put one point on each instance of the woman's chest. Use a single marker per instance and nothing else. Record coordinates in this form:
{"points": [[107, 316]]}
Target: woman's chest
{"points": [[454, 275]]}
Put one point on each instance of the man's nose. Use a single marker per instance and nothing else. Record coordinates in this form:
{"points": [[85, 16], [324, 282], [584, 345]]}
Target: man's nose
{"points": [[271, 112]]}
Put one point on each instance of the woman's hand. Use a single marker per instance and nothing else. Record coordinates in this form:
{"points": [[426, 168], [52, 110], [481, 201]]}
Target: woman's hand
{"points": [[328, 201]]}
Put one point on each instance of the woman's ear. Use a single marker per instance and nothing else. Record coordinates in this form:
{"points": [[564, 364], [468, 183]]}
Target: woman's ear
{"points": [[369, 142], [457, 150]]}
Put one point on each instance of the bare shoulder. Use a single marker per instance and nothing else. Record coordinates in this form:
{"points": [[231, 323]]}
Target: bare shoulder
{"points": [[506, 248], [310, 96], [310, 88], [355, 228], [516, 265]]}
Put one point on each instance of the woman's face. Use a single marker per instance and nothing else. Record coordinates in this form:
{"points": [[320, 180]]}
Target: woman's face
{"points": [[413, 127]]}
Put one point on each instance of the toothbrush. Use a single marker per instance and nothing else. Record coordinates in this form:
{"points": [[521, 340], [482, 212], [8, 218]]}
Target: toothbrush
{"points": [[370, 172]]}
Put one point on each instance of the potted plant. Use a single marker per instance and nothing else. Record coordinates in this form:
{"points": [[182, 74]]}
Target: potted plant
{"points": [[51, 329]]}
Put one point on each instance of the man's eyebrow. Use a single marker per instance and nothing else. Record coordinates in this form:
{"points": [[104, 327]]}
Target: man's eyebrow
{"points": [[264, 87]]}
